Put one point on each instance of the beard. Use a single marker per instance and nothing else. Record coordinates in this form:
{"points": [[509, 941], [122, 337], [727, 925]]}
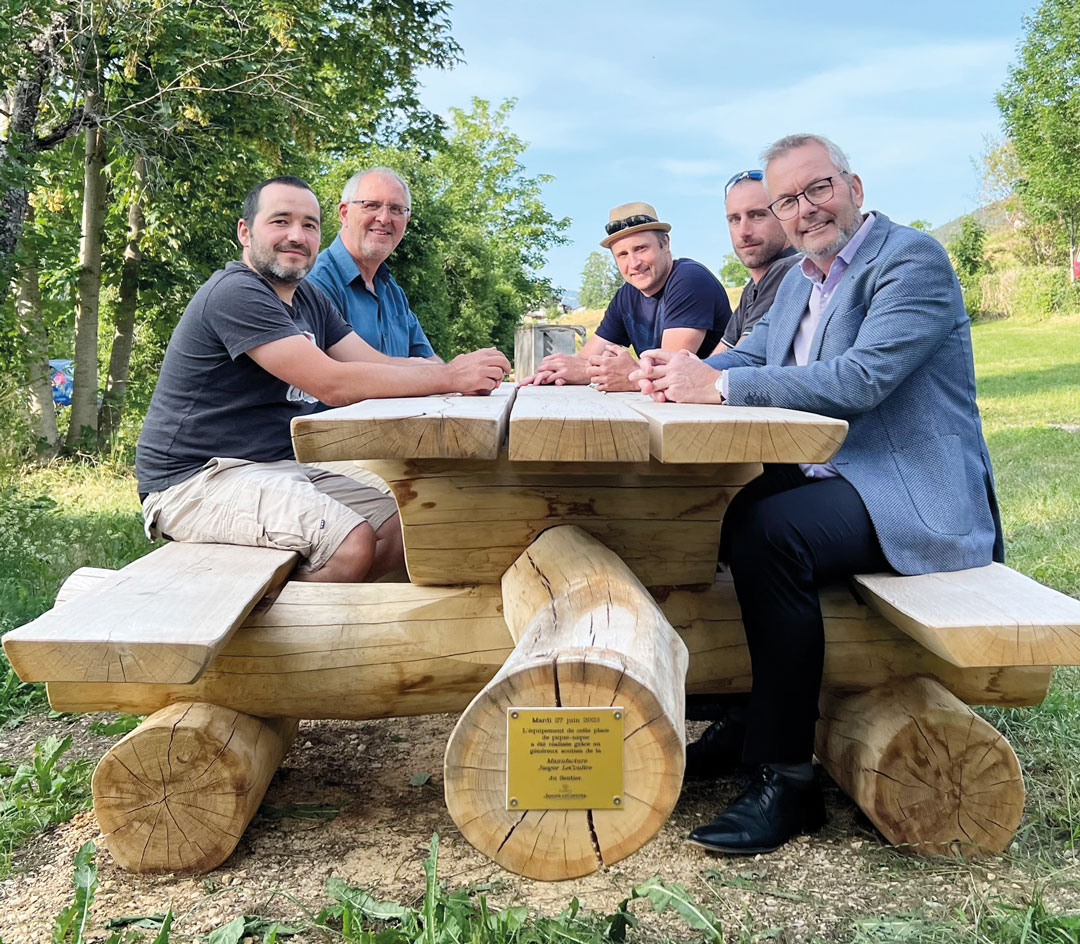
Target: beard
{"points": [[264, 261], [843, 237]]}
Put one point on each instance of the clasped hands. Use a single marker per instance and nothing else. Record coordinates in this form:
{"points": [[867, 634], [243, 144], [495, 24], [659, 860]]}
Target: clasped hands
{"points": [[678, 376], [609, 370]]}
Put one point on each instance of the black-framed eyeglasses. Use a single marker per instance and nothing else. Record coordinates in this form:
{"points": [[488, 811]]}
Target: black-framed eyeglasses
{"points": [[615, 225], [397, 210], [743, 175], [817, 192]]}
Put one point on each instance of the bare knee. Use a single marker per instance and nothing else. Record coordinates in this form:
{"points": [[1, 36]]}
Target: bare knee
{"points": [[389, 550], [352, 561]]}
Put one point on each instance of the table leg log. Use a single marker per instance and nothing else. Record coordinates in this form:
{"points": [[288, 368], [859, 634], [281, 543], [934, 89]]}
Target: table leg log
{"points": [[928, 772], [587, 634], [176, 794]]}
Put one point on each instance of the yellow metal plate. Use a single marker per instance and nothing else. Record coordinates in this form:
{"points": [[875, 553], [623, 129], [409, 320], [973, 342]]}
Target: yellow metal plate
{"points": [[564, 758]]}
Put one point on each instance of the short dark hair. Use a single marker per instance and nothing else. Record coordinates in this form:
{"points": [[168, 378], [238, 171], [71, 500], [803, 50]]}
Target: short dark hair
{"points": [[251, 201]]}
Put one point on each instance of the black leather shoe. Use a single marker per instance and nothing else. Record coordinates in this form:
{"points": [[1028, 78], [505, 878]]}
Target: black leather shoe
{"points": [[767, 814], [718, 751]]}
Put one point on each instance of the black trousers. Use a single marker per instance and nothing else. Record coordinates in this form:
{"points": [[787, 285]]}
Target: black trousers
{"points": [[783, 536]]}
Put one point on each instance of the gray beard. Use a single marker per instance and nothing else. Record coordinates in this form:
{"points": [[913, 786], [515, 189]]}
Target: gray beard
{"points": [[843, 237]]}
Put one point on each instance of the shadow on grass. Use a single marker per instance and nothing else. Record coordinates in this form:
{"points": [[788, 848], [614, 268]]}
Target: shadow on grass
{"points": [[1027, 382]]}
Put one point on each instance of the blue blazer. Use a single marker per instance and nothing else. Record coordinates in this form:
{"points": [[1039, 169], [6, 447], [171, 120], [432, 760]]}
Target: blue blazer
{"points": [[892, 356]]}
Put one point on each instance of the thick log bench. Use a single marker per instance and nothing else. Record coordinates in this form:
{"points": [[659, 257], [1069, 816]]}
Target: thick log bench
{"points": [[223, 656]]}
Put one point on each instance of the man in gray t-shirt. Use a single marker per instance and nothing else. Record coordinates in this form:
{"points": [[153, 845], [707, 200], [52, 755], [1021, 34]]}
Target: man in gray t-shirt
{"points": [[256, 346], [760, 243]]}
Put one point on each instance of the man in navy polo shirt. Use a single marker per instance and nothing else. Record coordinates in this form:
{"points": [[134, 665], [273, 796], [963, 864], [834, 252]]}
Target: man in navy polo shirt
{"points": [[672, 304], [374, 211]]}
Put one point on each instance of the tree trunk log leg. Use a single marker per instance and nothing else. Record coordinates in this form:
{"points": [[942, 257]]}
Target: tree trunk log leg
{"points": [[588, 635], [176, 794], [930, 774]]}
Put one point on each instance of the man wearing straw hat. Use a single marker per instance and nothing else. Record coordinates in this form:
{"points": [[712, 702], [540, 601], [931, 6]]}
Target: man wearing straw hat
{"points": [[672, 304]]}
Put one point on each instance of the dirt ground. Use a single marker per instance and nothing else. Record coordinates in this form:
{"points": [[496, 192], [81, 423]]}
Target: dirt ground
{"points": [[811, 890]]}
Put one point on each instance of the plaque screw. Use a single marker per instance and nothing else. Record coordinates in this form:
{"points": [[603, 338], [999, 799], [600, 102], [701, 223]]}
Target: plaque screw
{"points": [[514, 715], [617, 801], [617, 715], [513, 801]]}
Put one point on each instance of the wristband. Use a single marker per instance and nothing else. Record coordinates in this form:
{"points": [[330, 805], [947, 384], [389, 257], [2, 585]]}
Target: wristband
{"points": [[719, 385]]}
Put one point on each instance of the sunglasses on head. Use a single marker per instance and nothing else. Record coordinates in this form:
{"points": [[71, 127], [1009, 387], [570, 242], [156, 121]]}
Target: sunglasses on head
{"points": [[743, 175], [615, 225]]}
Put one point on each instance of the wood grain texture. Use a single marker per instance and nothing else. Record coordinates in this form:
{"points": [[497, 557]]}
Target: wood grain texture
{"points": [[438, 427], [176, 794], [588, 634], [928, 772], [160, 619], [983, 616], [699, 432], [575, 424], [381, 650], [467, 522]]}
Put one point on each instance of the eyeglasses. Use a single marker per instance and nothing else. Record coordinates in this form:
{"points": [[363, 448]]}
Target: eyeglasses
{"points": [[615, 225], [397, 210], [743, 175], [817, 192]]}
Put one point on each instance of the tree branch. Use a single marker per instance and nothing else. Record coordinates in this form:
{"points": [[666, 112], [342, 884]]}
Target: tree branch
{"points": [[71, 125]]}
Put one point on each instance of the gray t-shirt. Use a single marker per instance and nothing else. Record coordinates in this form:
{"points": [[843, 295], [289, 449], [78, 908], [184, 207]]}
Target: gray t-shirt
{"points": [[211, 399], [757, 299]]}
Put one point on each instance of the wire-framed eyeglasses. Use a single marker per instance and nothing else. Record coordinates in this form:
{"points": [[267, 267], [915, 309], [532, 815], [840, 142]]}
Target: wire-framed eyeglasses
{"points": [[397, 210], [816, 193]]}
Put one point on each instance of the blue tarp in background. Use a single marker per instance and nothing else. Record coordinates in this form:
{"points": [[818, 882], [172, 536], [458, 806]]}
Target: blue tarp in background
{"points": [[62, 374]]}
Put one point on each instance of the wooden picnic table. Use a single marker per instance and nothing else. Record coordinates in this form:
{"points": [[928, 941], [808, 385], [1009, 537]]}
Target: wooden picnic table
{"points": [[562, 552]]}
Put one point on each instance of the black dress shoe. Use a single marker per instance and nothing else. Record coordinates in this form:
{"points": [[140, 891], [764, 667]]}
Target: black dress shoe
{"points": [[718, 751], [771, 810]]}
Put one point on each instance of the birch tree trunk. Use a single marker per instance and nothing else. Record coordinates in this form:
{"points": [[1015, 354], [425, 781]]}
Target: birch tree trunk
{"points": [[83, 428], [112, 404], [36, 351]]}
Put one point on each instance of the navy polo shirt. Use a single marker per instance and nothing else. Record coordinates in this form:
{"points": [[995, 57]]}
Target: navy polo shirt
{"points": [[383, 319], [692, 297]]}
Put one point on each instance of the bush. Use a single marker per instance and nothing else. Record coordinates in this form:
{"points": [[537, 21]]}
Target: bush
{"points": [[1030, 293]]}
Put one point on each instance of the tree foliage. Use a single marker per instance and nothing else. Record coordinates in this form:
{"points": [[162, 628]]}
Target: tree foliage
{"points": [[1040, 106], [196, 103], [600, 280], [967, 250], [732, 271]]}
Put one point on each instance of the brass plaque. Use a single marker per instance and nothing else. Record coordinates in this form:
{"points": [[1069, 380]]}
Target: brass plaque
{"points": [[564, 758]]}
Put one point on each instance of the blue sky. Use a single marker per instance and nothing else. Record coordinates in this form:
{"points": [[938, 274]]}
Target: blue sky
{"points": [[662, 102]]}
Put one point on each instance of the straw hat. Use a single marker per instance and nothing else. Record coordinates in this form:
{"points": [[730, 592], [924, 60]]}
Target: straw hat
{"points": [[634, 217]]}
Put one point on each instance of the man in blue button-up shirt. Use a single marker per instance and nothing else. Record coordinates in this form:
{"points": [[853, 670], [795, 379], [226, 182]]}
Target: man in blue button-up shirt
{"points": [[374, 211]]}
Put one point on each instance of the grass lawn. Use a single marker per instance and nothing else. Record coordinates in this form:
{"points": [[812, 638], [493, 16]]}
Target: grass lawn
{"points": [[55, 520]]}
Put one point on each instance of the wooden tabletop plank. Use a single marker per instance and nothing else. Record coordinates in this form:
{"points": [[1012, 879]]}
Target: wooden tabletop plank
{"points": [[161, 618], [699, 432], [438, 427], [574, 423], [985, 616]]}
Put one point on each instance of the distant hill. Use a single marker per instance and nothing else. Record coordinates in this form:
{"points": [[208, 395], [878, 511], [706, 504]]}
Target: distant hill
{"points": [[570, 299], [992, 216]]}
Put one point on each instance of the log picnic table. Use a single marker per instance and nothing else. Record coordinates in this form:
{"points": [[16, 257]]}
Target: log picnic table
{"points": [[534, 520]]}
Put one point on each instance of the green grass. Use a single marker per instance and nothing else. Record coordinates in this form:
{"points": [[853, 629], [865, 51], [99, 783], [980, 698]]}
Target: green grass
{"points": [[1029, 394], [39, 793], [53, 521]]}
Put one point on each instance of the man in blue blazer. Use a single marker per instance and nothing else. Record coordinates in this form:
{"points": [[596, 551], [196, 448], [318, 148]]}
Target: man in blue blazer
{"points": [[871, 328]]}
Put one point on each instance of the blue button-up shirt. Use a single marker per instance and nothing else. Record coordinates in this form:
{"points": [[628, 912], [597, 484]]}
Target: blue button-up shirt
{"points": [[382, 318]]}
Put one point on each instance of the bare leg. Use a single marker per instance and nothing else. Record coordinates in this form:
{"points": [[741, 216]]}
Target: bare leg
{"points": [[353, 559], [389, 552]]}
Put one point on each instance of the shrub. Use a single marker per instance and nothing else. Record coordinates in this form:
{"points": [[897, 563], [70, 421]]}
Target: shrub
{"points": [[1029, 293]]}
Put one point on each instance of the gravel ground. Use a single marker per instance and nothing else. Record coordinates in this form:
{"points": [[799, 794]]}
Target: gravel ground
{"points": [[811, 890]]}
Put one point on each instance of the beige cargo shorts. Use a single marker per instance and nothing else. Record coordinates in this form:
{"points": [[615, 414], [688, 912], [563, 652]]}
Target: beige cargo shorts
{"points": [[283, 504]]}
